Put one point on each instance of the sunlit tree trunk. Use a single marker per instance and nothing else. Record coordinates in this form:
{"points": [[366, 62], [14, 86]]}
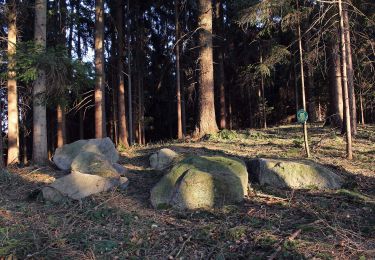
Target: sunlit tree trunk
{"points": [[60, 110], [221, 71], [61, 126], [178, 72], [100, 124], [362, 108], [40, 152], [13, 128], [351, 89], [307, 148], [344, 59], [123, 133], [336, 97], [206, 114]]}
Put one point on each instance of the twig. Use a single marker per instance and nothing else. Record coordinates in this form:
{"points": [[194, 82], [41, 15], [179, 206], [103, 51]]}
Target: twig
{"points": [[183, 245]]}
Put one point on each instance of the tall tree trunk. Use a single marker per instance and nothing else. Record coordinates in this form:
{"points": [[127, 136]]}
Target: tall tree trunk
{"points": [[123, 133], [130, 100], [100, 124], [352, 98], [206, 114], [307, 148], [61, 114], [344, 59], [221, 71], [180, 133], [40, 151], [1, 139], [337, 105], [13, 128]]}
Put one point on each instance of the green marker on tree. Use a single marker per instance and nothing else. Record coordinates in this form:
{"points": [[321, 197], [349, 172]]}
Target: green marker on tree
{"points": [[302, 116]]}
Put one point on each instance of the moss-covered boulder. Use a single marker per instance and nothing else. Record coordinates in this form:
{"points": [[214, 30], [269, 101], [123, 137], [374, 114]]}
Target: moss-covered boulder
{"points": [[162, 159], [295, 174], [202, 182]]}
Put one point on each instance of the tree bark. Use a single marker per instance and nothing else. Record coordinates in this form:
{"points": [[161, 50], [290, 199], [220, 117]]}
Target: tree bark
{"points": [[13, 128], [206, 115], [40, 151], [61, 126], [130, 100], [180, 133], [221, 71], [344, 59], [351, 88], [336, 97], [100, 124], [123, 133]]}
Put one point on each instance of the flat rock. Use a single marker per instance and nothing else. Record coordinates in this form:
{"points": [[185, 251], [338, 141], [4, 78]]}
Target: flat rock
{"points": [[162, 159], [202, 182], [78, 186], [65, 155], [95, 164], [294, 174]]}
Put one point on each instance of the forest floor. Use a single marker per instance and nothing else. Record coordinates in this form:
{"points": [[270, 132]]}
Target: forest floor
{"points": [[269, 224]]}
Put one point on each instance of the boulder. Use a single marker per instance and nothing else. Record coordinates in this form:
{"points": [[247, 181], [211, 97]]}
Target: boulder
{"points": [[162, 159], [78, 186], [294, 174], [202, 182], [95, 164], [65, 155], [120, 169]]}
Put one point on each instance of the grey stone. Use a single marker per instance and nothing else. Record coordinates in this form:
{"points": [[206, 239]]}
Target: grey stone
{"points": [[202, 182], [295, 174], [78, 186], [162, 159], [65, 155], [120, 169], [95, 164]]}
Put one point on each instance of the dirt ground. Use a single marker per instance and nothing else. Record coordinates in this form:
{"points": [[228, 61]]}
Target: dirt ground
{"points": [[269, 224]]}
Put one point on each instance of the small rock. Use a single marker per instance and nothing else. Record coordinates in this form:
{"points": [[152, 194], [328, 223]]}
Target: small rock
{"points": [[162, 159]]}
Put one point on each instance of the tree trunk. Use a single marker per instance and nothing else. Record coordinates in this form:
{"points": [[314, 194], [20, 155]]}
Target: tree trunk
{"points": [[61, 114], [180, 133], [61, 126], [221, 71], [351, 89], [337, 105], [206, 114], [100, 124], [40, 151], [307, 148], [1, 140], [344, 59], [362, 108], [123, 133], [130, 100], [13, 128]]}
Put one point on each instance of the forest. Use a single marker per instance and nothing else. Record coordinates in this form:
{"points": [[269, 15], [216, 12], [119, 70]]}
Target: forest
{"points": [[187, 129]]}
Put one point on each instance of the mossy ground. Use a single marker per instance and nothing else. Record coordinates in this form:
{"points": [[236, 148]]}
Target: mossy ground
{"points": [[122, 224]]}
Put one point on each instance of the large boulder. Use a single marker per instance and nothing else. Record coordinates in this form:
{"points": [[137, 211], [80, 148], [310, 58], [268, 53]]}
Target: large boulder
{"points": [[202, 182], [77, 186], [95, 164], [295, 174], [65, 155], [162, 159]]}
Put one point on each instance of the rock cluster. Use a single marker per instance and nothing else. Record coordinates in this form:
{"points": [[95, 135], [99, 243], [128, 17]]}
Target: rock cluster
{"points": [[93, 166]]}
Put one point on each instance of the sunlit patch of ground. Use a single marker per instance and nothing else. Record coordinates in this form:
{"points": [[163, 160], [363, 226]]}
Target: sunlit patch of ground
{"points": [[270, 222]]}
